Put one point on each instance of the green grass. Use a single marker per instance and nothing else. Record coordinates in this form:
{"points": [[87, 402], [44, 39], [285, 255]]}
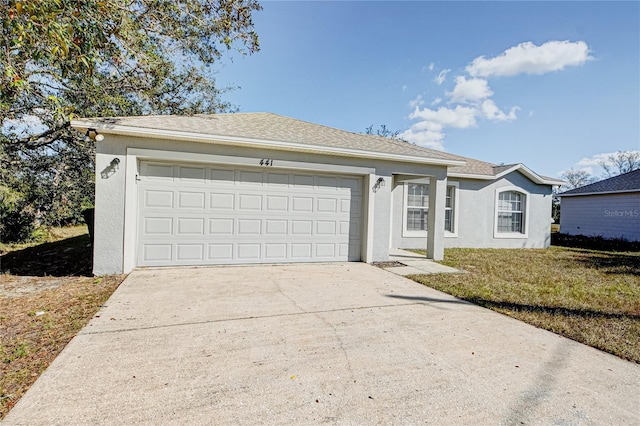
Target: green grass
{"points": [[589, 296]]}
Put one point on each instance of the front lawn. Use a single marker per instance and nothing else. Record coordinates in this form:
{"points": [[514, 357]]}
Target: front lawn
{"points": [[47, 294], [589, 296]]}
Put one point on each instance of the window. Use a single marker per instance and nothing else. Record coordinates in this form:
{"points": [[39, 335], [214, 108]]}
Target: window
{"points": [[511, 213], [449, 209], [417, 206], [416, 209]]}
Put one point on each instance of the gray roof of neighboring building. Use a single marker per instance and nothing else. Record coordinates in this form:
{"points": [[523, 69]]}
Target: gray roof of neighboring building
{"points": [[269, 127], [628, 182]]}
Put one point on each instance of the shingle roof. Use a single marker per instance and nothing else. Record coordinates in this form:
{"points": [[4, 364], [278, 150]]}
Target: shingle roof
{"points": [[269, 127], [272, 127], [628, 182]]}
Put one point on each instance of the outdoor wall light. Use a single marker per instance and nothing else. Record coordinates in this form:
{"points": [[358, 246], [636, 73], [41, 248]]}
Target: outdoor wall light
{"points": [[379, 183], [110, 170], [92, 134]]}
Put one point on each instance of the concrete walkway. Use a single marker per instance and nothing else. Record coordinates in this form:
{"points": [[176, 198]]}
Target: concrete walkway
{"points": [[344, 343], [415, 264]]}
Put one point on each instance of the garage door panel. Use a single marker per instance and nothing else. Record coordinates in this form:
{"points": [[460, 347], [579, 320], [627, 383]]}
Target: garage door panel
{"points": [[249, 251], [277, 203], [190, 226], [249, 227], [221, 201], [220, 252], [158, 199], [157, 252], [249, 178], [223, 177], [302, 204], [301, 227], [192, 175], [221, 226], [327, 205], [157, 172], [245, 216], [158, 225], [191, 200], [325, 250], [189, 252], [277, 180], [325, 227], [276, 227]]}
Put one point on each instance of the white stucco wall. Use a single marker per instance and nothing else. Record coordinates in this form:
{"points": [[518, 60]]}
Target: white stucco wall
{"points": [[476, 215], [112, 202], [606, 215]]}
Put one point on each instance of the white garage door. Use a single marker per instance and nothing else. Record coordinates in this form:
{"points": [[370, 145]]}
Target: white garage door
{"points": [[203, 215]]}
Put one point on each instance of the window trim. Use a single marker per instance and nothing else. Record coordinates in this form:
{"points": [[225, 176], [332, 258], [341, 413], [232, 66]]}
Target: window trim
{"points": [[456, 204], [527, 201]]}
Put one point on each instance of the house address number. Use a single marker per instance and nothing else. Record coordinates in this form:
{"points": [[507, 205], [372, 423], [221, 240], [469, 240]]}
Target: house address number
{"points": [[266, 162]]}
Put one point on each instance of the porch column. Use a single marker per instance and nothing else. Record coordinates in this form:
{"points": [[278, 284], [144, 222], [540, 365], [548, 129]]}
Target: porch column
{"points": [[435, 220]]}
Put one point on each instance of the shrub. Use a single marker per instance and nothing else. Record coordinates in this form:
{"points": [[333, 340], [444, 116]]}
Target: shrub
{"points": [[16, 219], [594, 243]]}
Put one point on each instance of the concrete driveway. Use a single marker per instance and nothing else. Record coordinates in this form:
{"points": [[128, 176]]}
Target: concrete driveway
{"points": [[304, 344]]}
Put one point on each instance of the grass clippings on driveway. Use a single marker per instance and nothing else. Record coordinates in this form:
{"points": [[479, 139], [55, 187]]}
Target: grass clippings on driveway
{"points": [[47, 295], [589, 296]]}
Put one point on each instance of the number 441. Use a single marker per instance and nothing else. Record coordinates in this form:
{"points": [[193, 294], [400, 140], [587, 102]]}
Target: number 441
{"points": [[266, 162]]}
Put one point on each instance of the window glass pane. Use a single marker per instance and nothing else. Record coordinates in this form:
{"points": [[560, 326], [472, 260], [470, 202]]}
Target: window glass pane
{"points": [[417, 219], [448, 221], [509, 222], [418, 195]]}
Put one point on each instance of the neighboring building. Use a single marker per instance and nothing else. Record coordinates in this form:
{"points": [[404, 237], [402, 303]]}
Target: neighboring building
{"points": [[263, 188], [609, 208]]}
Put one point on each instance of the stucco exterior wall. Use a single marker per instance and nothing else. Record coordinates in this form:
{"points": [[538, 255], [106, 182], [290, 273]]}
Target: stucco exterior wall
{"points": [[476, 215], [111, 200], [606, 215]]}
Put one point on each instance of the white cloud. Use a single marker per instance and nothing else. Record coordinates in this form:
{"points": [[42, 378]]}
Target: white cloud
{"points": [[425, 138], [416, 102], [491, 111], [471, 97], [441, 77], [594, 160], [471, 90], [404, 87], [527, 58], [429, 130], [459, 117]]}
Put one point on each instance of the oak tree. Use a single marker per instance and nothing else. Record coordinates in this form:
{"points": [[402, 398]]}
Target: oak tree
{"points": [[66, 58]]}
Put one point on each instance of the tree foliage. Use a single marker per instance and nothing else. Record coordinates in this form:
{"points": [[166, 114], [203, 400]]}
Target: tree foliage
{"points": [[383, 131], [575, 179], [620, 162], [66, 58]]}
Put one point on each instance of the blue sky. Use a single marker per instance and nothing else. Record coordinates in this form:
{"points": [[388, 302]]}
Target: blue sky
{"points": [[553, 85]]}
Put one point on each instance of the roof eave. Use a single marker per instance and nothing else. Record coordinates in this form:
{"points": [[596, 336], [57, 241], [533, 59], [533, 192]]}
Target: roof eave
{"points": [[115, 129], [583, 194], [526, 171]]}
